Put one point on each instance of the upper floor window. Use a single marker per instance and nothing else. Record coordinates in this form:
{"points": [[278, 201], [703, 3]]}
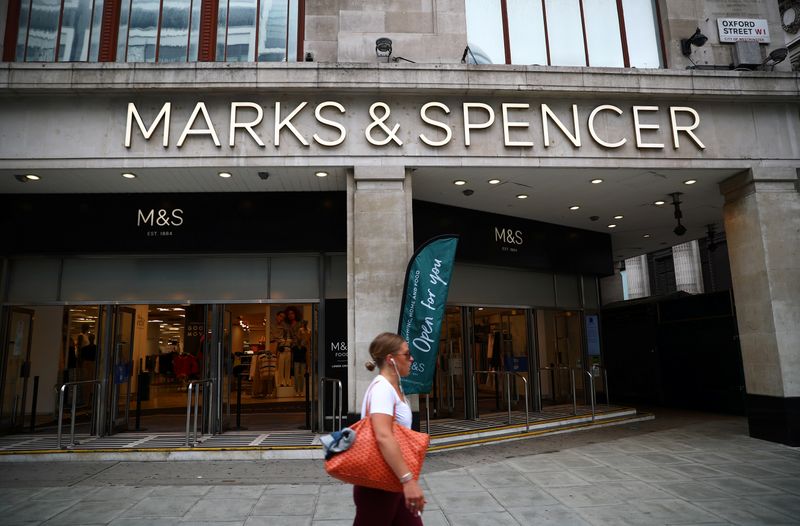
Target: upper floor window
{"points": [[155, 30], [158, 31], [257, 30], [614, 33], [59, 30]]}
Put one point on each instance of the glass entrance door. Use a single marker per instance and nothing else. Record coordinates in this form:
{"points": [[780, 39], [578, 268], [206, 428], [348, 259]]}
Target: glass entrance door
{"points": [[19, 331], [448, 400], [560, 352], [122, 366], [499, 346]]}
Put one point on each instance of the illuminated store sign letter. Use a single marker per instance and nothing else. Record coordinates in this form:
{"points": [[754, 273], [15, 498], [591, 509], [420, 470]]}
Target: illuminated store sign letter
{"points": [[512, 124], [673, 110], [164, 115], [547, 114], [328, 122], [187, 130], [423, 113], [593, 133], [287, 123], [468, 124], [245, 125], [639, 127]]}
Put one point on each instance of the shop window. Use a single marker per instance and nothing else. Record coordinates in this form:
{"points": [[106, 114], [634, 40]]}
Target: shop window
{"points": [[601, 33], [159, 31], [59, 30], [257, 30]]}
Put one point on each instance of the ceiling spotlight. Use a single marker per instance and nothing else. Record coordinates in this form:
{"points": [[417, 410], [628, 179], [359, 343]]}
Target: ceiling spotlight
{"points": [[618, 217], [597, 181], [459, 182], [574, 207], [659, 203], [225, 175], [494, 181], [646, 235], [383, 47], [690, 181], [321, 174], [32, 177], [696, 40], [129, 175], [612, 225], [522, 196]]}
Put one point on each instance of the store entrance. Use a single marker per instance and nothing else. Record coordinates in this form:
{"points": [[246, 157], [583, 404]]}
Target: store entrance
{"points": [[559, 339]]}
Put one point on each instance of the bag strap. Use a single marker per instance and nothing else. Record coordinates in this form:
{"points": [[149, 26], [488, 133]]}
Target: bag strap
{"points": [[369, 394]]}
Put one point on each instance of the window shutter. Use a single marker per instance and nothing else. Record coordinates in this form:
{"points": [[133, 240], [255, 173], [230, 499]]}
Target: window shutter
{"points": [[12, 30], [109, 31], [207, 45]]}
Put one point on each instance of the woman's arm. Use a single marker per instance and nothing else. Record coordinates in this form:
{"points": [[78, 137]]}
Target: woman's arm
{"points": [[390, 449]]}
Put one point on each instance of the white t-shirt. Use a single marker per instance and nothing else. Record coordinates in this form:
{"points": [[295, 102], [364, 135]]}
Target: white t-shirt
{"points": [[384, 399]]}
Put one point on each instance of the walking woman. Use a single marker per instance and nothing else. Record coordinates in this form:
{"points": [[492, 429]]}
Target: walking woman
{"points": [[384, 401]]}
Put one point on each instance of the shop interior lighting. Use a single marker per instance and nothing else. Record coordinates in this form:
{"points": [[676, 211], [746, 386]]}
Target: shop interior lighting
{"points": [[494, 181], [522, 196], [690, 181], [321, 174], [697, 39], [459, 182], [574, 207], [225, 175], [129, 175], [659, 203], [597, 181]]}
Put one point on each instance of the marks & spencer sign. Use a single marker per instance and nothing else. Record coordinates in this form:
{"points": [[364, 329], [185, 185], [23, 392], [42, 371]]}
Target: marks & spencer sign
{"points": [[430, 125]]}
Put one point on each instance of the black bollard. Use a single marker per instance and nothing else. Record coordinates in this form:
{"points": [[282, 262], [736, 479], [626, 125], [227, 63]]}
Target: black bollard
{"points": [[33, 402]]}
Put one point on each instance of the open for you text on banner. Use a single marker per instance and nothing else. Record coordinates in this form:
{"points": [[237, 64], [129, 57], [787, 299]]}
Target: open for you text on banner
{"points": [[424, 300]]}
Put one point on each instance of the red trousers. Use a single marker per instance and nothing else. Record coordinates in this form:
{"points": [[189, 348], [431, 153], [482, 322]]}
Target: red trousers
{"points": [[376, 507]]}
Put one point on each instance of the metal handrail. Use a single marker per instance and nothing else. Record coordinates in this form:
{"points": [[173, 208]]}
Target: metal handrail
{"points": [[61, 392], [337, 401], [605, 382], [591, 389], [507, 375], [192, 383], [553, 386]]}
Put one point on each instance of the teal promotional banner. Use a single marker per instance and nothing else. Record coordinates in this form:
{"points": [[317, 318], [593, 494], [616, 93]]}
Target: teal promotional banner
{"points": [[423, 308]]}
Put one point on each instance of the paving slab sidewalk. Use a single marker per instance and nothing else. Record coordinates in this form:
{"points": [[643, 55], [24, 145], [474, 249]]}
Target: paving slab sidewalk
{"points": [[700, 469]]}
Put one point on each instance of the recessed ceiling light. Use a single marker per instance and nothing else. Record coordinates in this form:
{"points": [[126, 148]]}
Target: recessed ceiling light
{"points": [[658, 203], [321, 174], [32, 177], [494, 181], [618, 217], [612, 226], [574, 207], [129, 175], [459, 182], [646, 235], [225, 175], [690, 181], [597, 181], [522, 196]]}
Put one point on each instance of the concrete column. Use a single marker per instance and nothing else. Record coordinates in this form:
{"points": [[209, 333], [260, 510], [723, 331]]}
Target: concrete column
{"points": [[762, 224], [380, 242]]}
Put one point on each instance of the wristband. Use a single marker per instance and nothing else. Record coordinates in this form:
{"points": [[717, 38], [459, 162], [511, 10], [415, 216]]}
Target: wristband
{"points": [[406, 478]]}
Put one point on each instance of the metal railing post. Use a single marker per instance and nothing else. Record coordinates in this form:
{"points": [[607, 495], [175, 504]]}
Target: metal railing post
{"points": [[508, 394], [191, 426], [188, 411], [61, 395], [591, 391], [337, 402], [574, 398], [527, 417], [60, 413]]}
